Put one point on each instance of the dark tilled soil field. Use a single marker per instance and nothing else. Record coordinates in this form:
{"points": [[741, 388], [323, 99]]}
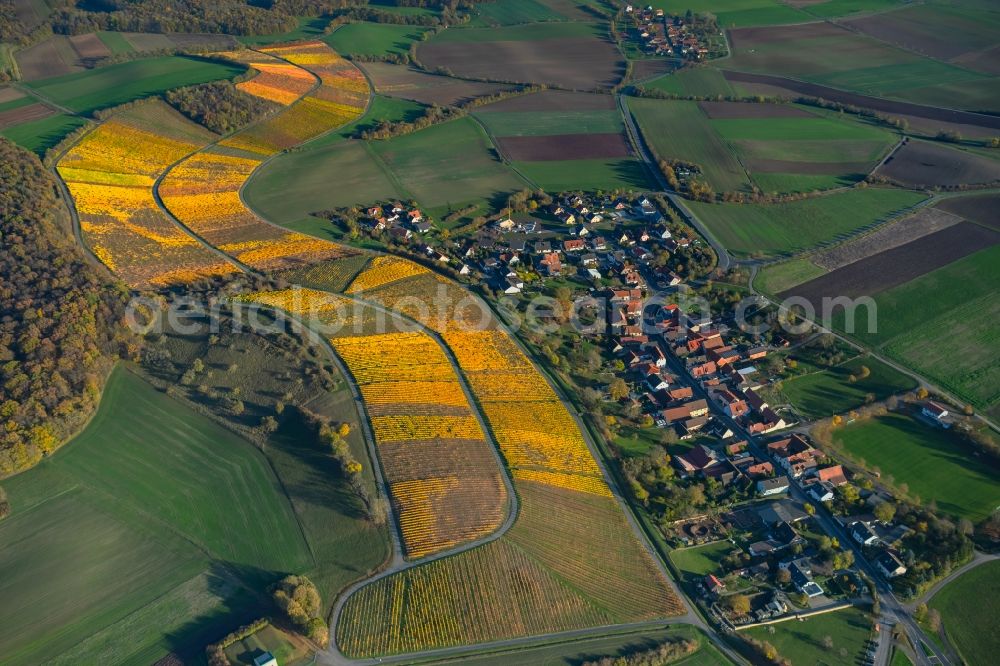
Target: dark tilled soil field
{"points": [[741, 37], [876, 103], [554, 100], [54, 56], [89, 46], [807, 168], [23, 114], [578, 63], [889, 28], [986, 61], [926, 221], [401, 81], [10, 94], [721, 110], [981, 208], [898, 265], [650, 67], [203, 41], [929, 164], [563, 147]]}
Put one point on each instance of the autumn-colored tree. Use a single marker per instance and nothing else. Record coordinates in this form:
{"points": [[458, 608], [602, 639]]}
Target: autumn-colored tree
{"points": [[618, 389], [738, 604]]}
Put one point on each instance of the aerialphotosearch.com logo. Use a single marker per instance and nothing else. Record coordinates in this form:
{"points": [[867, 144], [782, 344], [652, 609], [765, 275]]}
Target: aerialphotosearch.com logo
{"points": [[598, 313]]}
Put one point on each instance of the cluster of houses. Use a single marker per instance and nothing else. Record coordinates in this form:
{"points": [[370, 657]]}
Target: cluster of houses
{"points": [[593, 239], [666, 35], [780, 547], [878, 536], [399, 221], [724, 371]]}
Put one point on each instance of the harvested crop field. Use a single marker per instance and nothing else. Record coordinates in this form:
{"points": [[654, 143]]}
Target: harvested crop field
{"points": [[866, 101], [563, 147], [205, 41], [944, 33], [650, 67], [89, 47], [980, 208], [553, 100], [581, 63], [924, 222], [716, 110], [401, 81], [9, 95], [51, 57], [756, 165], [24, 114], [932, 164], [897, 265]]}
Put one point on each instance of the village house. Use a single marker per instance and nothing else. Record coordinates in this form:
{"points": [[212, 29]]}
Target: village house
{"points": [[863, 533], [698, 459], [889, 564], [550, 264], [772, 486], [832, 475]]}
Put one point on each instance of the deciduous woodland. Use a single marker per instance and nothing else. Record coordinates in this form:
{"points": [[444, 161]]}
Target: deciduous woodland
{"points": [[60, 318]]}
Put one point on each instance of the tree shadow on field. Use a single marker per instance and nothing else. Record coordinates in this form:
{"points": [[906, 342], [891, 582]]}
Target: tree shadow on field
{"points": [[242, 597], [320, 482], [638, 645]]}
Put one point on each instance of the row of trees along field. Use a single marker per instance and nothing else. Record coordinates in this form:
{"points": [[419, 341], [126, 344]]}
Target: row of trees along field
{"points": [[60, 320]]}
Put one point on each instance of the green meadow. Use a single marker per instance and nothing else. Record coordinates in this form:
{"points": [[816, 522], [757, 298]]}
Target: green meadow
{"points": [[156, 530], [971, 627], [831, 391], [933, 463], [802, 642], [374, 39], [100, 88], [785, 228], [942, 325]]}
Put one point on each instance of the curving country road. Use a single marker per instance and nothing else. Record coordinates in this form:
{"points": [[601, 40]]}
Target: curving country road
{"points": [[642, 150]]}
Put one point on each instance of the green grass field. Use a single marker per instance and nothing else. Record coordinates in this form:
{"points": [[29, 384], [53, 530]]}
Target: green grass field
{"points": [[512, 12], [40, 135], [738, 13], [815, 151], [847, 8], [697, 562], [451, 163], [785, 228], [156, 516], [116, 84], [526, 32], [695, 81], [942, 325], [575, 652], [865, 65], [971, 626], [591, 175], [899, 658], [374, 39], [542, 123], [679, 130], [802, 642], [115, 41], [830, 391], [308, 28], [299, 183], [775, 278], [933, 463]]}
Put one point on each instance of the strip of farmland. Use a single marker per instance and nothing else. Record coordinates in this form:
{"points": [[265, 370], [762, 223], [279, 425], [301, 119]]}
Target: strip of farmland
{"points": [[898, 265]]}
